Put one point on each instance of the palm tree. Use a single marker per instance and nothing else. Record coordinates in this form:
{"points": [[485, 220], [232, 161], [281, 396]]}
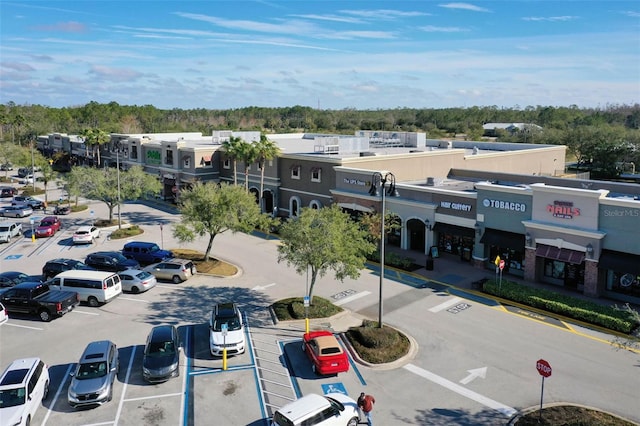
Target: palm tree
{"points": [[267, 150], [232, 148], [95, 137], [248, 155]]}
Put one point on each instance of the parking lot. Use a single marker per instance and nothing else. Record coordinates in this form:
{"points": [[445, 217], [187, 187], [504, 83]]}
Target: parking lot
{"points": [[455, 335]]}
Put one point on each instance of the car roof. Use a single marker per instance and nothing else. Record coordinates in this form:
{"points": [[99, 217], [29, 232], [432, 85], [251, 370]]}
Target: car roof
{"points": [[96, 351], [325, 342], [18, 371], [162, 332], [225, 309], [11, 274], [302, 407], [64, 260], [54, 218]]}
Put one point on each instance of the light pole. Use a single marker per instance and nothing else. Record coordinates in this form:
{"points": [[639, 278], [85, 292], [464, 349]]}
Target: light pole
{"points": [[33, 168], [118, 177], [379, 180]]}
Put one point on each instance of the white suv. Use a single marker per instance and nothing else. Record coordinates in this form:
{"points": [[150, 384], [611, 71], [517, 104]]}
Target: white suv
{"points": [[226, 330], [333, 409], [23, 386]]}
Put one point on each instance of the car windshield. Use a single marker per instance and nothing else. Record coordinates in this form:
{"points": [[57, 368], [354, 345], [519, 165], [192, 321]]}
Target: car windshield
{"points": [[92, 370], [118, 258], [160, 349], [233, 323], [82, 232], [142, 275], [46, 223], [12, 397], [154, 248], [4, 228]]}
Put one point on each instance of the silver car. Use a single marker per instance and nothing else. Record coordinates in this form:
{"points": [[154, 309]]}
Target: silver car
{"points": [[92, 381], [19, 210], [175, 270], [137, 281]]}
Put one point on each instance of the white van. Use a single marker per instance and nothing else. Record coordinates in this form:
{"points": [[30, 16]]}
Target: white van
{"points": [[93, 287]]}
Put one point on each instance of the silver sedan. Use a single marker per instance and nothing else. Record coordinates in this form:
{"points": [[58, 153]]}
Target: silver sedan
{"points": [[16, 211], [137, 281]]}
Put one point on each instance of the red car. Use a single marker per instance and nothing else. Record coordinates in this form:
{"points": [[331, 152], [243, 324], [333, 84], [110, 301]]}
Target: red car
{"points": [[325, 352], [48, 226]]}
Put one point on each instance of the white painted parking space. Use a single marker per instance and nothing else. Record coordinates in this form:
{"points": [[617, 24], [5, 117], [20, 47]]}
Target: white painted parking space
{"points": [[445, 305]]}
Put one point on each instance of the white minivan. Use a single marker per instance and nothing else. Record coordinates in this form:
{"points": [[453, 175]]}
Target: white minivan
{"points": [[93, 287]]}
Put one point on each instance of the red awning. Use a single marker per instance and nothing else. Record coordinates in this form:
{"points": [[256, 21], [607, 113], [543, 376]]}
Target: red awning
{"points": [[564, 255]]}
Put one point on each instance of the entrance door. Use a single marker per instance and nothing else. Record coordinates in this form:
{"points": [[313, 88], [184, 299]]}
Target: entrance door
{"points": [[416, 231]]}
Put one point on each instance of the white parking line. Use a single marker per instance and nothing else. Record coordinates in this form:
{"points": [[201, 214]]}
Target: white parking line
{"points": [[133, 300], [55, 397], [124, 387], [460, 390], [352, 298], [24, 326], [153, 396], [85, 312], [445, 305]]}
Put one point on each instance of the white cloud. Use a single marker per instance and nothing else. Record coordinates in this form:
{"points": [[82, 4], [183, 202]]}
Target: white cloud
{"points": [[434, 29], [550, 18], [464, 6]]}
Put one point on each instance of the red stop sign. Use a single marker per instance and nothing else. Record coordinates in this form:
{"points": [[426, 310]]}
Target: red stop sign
{"points": [[543, 368]]}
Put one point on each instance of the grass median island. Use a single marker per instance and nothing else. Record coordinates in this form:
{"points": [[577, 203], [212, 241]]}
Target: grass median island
{"points": [[570, 415], [212, 266], [378, 345], [293, 309]]}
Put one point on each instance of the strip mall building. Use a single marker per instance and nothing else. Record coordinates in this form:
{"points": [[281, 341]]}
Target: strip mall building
{"points": [[471, 200]]}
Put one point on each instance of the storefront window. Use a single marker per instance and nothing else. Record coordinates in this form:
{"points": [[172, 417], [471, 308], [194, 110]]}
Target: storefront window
{"points": [[513, 259], [625, 283], [456, 244], [554, 269]]}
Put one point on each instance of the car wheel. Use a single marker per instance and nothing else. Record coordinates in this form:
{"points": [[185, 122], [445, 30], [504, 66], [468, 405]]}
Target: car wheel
{"points": [[46, 391], [135, 290], [353, 421], [28, 422], [176, 279], [45, 316], [110, 397], [93, 302], [17, 216]]}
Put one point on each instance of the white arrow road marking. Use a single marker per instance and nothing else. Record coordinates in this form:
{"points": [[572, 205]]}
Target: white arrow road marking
{"points": [[263, 287], [352, 298], [495, 405], [445, 305], [474, 373]]}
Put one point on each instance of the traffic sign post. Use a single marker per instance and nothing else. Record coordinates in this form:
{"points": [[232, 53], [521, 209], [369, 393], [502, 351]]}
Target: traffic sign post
{"points": [[224, 328], [544, 368], [501, 266], [306, 314]]}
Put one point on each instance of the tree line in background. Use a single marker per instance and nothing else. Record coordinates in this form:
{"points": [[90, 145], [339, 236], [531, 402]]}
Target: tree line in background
{"points": [[605, 141]]}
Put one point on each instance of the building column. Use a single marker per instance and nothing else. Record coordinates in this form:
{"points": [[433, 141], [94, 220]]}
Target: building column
{"points": [[591, 287], [530, 264]]}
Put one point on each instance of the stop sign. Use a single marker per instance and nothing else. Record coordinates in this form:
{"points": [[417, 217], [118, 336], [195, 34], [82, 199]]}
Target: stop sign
{"points": [[543, 368]]}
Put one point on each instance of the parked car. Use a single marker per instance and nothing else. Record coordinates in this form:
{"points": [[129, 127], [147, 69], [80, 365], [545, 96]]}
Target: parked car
{"points": [[86, 234], [11, 278], [8, 191], [54, 266], [92, 381], [8, 230], [161, 359], [28, 200], [24, 171], [137, 281], [324, 351], [93, 287], [4, 316], [112, 261], [61, 210], [226, 330], [175, 270], [27, 179], [145, 252], [6, 167], [332, 409], [24, 385], [48, 227], [19, 210], [36, 298]]}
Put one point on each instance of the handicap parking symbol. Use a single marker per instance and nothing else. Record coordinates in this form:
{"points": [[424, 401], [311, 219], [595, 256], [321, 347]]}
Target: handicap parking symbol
{"points": [[334, 388], [13, 257]]}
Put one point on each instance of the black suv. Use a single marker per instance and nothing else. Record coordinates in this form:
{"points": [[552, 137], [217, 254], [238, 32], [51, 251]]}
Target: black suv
{"points": [[8, 191], [111, 261], [55, 266]]}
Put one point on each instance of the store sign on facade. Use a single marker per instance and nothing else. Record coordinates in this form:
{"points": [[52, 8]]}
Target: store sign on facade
{"points": [[455, 206], [504, 205], [563, 209], [356, 182]]}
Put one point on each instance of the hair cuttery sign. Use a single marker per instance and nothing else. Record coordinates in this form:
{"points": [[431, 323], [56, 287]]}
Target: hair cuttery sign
{"points": [[563, 209]]}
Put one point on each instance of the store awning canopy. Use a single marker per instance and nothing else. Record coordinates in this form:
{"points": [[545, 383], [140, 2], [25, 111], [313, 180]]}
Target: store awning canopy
{"points": [[562, 254], [619, 262], [502, 239], [354, 206], [446, 228]]}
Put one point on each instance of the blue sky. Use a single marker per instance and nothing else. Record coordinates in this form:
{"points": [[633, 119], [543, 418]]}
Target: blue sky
{"points": [[328, 54]]}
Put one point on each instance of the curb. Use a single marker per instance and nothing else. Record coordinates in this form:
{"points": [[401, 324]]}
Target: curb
{"points": [[514, 419]]}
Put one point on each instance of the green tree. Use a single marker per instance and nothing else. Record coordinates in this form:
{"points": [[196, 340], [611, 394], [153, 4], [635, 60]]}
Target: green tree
{"points": [[322, 240], [233, 149], [102, 185], [267, 150], [209, 209], [248, 153], [95, 138]]}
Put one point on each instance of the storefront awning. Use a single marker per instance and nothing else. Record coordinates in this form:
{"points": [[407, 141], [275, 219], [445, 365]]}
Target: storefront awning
{"points": [[446, 228], [502, 239], [562, 254], [619, 262], [354, 206]]}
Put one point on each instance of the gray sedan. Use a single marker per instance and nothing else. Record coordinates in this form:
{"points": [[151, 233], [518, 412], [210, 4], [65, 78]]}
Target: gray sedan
{"points": [[16, 211], [137, 281]]}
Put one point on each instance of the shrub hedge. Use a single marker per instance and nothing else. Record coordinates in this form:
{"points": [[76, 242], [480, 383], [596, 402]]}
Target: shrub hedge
{"points": [[583, 310], [293, 308], [377, 345]]}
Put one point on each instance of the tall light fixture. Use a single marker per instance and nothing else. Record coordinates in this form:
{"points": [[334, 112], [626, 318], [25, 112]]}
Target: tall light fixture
{"points": [[33, 168], [118, 177], [378, 187]]}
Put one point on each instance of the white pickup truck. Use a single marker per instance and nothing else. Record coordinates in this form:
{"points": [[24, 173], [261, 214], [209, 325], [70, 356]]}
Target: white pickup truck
{"points": [[8, 230]]}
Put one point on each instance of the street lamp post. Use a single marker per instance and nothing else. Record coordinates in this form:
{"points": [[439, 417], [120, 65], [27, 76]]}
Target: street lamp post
{"points": [[118, 177], [379, 180], [33, 168]]}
